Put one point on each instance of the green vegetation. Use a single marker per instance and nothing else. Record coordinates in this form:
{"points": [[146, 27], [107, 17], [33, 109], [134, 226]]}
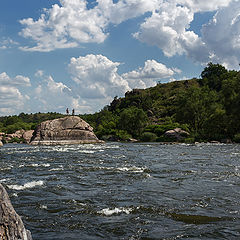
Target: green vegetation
{"points": [[11, 124], [207, 108]]}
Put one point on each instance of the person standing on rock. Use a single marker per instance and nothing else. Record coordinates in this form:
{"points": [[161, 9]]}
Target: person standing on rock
{"points": [[73, 112], [67, 111]]}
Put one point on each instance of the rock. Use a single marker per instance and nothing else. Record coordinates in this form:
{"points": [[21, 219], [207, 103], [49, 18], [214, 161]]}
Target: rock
{"points": [[215, 142], [2, 134], [132, 140], [1, 144], [67, 130], [177, 134], [227, 140], [11, 225], [18, 133], [28, 135]]}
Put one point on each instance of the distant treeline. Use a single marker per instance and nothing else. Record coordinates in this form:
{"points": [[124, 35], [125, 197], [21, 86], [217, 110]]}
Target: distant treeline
{"points": [[11, 124], [207, 107]]}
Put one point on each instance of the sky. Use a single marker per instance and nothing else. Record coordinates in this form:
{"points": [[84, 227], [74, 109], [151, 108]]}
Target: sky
{"points": [[80, 54]]}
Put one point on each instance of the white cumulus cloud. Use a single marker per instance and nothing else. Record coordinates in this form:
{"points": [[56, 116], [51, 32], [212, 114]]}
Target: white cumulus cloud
{"points": [[204, 5], [148, 75], [11, 97], [71, 23], [222, 35], [97, 77]]}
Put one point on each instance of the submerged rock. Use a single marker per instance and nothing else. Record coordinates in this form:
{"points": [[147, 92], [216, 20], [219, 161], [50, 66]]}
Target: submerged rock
{"points": [[67, 130], [11, 225]]}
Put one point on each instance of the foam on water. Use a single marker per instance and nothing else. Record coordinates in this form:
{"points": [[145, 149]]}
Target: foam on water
{"points": [[56, 169], [35, 165], [131, 169], [110, 212], [26, 185]]}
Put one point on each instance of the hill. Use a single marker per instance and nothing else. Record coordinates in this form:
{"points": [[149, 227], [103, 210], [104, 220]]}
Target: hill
{"points": [[207, 108]]}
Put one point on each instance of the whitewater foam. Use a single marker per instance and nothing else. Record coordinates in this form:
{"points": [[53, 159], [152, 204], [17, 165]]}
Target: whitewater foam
{"points": [[26, 185], [109, 212], [131, 169]]}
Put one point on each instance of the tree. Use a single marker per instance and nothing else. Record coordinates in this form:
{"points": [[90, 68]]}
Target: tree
{"points": [[133, 120], [212, 76], [197, 107]]}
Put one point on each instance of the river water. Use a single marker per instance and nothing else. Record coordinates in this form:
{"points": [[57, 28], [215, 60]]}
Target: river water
{"points": [[125, 191]]}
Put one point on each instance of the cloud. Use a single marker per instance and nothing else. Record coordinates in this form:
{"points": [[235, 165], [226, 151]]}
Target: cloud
{"points": [[73, 22], [11, 97], [52, 96], [65, 26], [7, 43], [204, 5], [19, 80], [148, 75], [221, 35], [166, 27], [97, 77]]}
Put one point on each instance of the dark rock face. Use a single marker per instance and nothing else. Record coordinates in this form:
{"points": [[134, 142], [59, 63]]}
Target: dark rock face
{"points": [[67, 130], [11, 225]]}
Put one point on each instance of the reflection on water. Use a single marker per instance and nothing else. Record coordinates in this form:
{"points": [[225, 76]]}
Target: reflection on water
{"points": [[125, 191]]}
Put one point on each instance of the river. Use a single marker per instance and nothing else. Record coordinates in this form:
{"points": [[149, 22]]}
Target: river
{"points": [[125, 190]]}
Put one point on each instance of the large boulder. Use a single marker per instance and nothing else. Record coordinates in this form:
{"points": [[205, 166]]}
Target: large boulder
{"points": [[67, 130], [176, 134], [28, 135], [11, 224], [1, 144]]}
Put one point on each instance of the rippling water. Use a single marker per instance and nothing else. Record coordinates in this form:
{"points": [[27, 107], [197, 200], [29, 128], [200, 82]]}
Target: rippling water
{"points": [[125, 191]]}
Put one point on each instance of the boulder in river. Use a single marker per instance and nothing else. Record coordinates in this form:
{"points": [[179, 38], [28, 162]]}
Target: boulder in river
{"points": [[61, 131], [177, 134], [1, 144], [11, 224]]}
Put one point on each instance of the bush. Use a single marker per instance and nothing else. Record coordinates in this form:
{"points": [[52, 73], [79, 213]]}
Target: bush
{"points": [[148, 137], [189, 140], [236, 138], [123, 135]]}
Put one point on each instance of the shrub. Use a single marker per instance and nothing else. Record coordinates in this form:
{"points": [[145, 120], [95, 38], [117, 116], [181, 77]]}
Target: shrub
{"points": [[164, 139], [236, 138], [148, 137]]}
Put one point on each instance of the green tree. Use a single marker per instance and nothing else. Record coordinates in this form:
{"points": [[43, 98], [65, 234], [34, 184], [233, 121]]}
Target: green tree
{"points": [[196, 107], [133, 120], [213, 75]]}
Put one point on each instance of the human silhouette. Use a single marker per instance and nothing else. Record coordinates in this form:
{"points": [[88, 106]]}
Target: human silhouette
{"points": [[73, 112], [67, 111]]}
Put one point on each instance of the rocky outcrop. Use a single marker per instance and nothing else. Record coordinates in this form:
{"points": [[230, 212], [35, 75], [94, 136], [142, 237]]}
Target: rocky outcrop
{"points": [[20, 136], [67, 130], [27, 136], [11, 225], [1, 144], [176, 134]]}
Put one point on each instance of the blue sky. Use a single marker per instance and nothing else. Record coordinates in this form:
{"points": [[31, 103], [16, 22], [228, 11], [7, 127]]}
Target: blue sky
{"points": [[81, 54]]}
